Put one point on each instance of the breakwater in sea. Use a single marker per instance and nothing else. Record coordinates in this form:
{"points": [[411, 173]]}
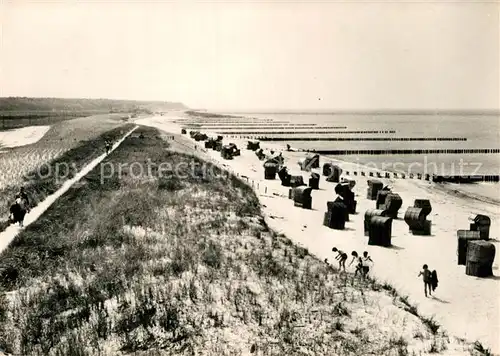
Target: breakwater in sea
{"points": [[253, 133], [258, 124], [294, 138], [237, 124], [409, 151], [466, 179], [271, 127], [462, 178]]}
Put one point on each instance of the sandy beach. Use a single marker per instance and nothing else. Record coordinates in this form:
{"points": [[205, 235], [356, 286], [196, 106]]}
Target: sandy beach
{"points": [[467, 307], [23, 136]]}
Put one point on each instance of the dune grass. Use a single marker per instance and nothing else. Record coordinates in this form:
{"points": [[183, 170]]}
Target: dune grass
{"points": [[148, 265], [43, 167]]}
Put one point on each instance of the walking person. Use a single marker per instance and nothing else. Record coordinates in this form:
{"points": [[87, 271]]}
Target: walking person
{"points": [[426, 277], [23, 196], [108, 146], [20, 207]]}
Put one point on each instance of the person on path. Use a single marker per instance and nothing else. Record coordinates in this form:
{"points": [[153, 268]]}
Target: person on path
{"points": [[108, 146], [426, 277], [20, 207], [24, 198], [341, 257]]}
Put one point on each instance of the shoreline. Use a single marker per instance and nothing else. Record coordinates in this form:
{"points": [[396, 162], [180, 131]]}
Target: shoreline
{"points": [[462, 300]]}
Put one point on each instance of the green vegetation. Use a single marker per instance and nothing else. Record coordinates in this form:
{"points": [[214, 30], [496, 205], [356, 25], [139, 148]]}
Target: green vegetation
{"points": [[151, 265]]}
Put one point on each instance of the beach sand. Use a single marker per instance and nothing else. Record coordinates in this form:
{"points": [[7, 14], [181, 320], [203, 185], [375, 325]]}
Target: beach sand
{"points": [[23, 136], [467, 307]]}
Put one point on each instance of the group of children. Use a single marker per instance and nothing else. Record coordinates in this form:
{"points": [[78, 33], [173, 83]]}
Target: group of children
{"points": [[363, 267], [363, 263]]}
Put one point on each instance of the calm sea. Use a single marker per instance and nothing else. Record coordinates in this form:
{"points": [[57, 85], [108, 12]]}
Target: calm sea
{"points": [[481, 131]]}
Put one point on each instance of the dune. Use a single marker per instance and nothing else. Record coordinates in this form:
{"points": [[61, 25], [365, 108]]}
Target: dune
{"points": [[22, 136], [467, 307]]}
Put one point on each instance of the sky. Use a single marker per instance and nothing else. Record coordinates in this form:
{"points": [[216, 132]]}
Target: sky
{"points": [[255, 55]]}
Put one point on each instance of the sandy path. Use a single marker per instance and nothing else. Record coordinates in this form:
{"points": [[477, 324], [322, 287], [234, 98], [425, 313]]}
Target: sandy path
{"points": [[467, 307], [13, 230]]}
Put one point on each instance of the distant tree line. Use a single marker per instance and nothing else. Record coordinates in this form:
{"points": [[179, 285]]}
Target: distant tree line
{"points": [[29, 105]]}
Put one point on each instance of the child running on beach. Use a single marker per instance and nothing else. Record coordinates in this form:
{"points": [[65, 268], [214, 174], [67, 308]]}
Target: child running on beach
{"points": [[341, 257], [426, 276]]}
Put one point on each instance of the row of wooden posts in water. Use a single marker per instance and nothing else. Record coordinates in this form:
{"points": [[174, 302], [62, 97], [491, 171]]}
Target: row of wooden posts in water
{"points": [[255, 146], [249, 126], [258, 134], [473, 248], [308, 138]]}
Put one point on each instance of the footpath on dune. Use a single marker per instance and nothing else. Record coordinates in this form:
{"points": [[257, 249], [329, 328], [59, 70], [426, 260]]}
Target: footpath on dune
{"points": [[13, 230], [465, 306]]}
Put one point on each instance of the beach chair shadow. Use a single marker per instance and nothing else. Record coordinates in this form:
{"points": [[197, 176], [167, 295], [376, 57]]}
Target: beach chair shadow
{"points": [[395, 247], [495, 278], [421, 236], [440, 300]]}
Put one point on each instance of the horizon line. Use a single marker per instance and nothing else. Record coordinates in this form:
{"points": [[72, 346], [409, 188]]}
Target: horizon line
{"points": [[353, 111]]}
